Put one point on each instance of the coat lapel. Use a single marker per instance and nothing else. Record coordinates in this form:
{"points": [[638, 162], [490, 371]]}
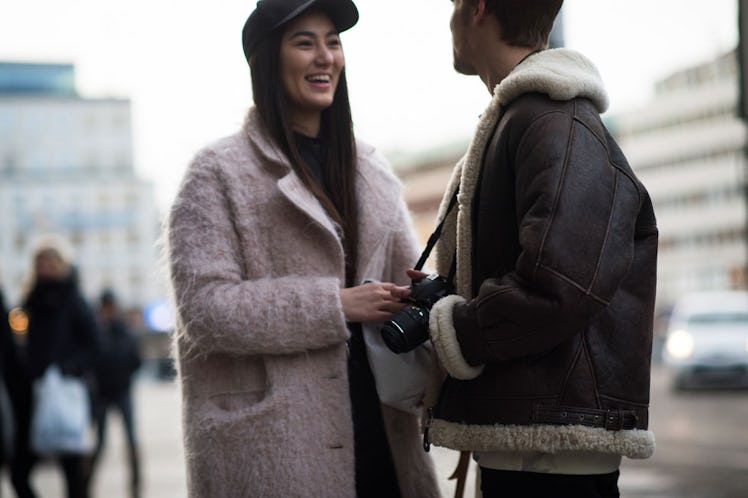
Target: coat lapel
{"points": [[289, 184], [376, 201], [296, 192]]}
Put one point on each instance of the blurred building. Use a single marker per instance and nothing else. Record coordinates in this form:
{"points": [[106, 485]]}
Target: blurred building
{"points": [[556, 39], [425, 175], [66, 167], [687, 146]]}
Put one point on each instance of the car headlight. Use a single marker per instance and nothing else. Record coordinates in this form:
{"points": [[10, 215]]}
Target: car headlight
{"points": [[680, 345]]}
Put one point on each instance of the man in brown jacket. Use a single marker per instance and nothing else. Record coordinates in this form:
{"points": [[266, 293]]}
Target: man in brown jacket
{"points": [[546, 343]]}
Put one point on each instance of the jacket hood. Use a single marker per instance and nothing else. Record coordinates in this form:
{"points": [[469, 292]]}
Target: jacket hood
{"points": [[560, 73]]}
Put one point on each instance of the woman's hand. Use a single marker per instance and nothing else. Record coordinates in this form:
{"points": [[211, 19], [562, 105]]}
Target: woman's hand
{"points": [[372, 302]]}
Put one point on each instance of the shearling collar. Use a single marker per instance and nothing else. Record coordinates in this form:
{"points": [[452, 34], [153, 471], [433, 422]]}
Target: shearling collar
{"points": [[560, 73]]}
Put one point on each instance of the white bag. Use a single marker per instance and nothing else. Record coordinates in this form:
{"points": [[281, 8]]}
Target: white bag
{"points": [[61, 420], [401, 379]]}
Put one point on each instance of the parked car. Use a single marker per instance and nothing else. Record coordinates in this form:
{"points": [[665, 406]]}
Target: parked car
{"points": [[707, 340]]}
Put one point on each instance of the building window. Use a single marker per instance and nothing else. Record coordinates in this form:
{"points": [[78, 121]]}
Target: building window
{"points": [[76, 238], [20, 241], [135, 281], [133, 238]]}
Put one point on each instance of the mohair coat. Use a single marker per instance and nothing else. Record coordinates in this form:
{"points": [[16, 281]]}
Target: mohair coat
{"points": [[256, 267], [548, 339]]}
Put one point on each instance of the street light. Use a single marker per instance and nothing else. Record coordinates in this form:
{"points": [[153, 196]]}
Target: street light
{"points": [[18, 321]]}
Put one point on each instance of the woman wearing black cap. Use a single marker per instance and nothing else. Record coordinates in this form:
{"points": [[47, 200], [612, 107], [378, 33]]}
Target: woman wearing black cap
{"points": [[268, 236]]}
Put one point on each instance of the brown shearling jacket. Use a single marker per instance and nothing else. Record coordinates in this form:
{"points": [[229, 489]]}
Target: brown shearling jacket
{"points": [[547, 344]]}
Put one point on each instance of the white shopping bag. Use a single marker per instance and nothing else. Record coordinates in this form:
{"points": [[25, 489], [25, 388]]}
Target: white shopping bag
{"points": [[61, 420], [400, 379]]}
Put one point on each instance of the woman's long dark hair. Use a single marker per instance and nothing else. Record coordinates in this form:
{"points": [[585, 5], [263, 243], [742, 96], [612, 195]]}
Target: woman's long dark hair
{"points": [[336, 132]]}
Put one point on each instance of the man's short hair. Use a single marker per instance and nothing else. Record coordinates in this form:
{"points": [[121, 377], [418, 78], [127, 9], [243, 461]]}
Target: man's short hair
{"points": [[525, 23]]}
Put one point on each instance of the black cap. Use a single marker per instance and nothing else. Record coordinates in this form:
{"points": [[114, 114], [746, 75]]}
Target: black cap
{"points": [[272, 14]]}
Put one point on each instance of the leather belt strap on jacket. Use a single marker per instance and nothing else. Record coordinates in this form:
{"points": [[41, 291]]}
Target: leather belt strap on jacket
{"points": [[612, 420]]}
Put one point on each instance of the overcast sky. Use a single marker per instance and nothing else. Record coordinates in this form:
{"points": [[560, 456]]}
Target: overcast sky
{"points": [[181, 63]]}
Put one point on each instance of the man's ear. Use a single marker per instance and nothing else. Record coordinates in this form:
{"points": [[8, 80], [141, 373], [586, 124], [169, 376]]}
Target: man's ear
{"points": [[479, 12]]}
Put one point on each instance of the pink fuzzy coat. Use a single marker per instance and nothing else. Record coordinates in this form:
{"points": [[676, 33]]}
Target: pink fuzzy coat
{"points": [[256, 267]]}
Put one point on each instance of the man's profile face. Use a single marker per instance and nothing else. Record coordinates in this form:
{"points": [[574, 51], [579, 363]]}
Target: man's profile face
{"points": [[460, 26]]}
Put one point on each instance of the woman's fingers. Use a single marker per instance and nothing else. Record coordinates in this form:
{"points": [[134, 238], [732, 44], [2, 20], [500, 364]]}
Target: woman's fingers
{"points": [[373, 302], [399, 293], [390, 292]]}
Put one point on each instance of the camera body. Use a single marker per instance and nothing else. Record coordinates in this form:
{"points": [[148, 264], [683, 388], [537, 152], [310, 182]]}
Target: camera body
{"points": [[409, 327]]}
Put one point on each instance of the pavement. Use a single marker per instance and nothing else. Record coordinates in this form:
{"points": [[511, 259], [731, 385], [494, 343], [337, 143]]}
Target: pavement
{"points": [[689, 462], [162, 455]]}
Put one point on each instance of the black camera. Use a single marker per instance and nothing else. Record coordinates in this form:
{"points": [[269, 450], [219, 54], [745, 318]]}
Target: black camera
{"points": [[410, 326]]}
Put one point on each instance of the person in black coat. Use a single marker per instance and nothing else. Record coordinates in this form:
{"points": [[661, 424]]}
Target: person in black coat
{"points": [[61, 331], [10, 369], [116, 364]]}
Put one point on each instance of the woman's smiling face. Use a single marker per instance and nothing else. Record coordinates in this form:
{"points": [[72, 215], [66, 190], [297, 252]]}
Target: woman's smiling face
{"points": [[311, 60]]}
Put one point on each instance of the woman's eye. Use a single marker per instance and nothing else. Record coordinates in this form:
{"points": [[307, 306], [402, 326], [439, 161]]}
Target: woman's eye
{"points": [[334, 42]]}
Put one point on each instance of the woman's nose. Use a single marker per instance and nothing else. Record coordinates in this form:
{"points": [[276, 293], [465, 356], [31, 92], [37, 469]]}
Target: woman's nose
{"points": [[324, 56]]}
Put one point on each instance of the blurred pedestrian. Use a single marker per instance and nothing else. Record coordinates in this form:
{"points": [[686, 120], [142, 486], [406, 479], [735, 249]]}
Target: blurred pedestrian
{"points": [[62, 332], [116, 364], [270, 233], [10, 370], [547, 341]]}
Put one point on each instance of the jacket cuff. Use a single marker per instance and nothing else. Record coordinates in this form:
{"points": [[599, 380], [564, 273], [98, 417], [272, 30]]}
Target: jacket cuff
{"points": [[444, 337]]}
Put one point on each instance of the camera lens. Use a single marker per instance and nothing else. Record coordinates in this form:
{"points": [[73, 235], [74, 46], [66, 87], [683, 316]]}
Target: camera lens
{"points": [[407, 329]]}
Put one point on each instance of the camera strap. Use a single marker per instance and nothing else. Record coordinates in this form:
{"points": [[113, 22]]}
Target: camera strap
{"points": [[434, 238]]}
